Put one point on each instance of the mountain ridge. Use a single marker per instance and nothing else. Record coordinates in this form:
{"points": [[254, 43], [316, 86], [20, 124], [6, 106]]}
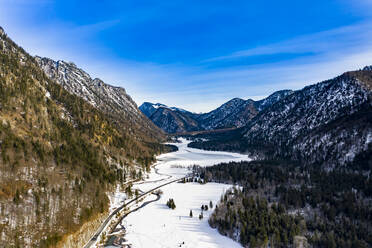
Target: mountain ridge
{"points": [[170, 119], [112, 100], [234, 113], [326, 123]]}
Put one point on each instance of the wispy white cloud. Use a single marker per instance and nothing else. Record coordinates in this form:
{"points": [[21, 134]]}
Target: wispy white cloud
{"points": [[197, 88], [335, 51]]}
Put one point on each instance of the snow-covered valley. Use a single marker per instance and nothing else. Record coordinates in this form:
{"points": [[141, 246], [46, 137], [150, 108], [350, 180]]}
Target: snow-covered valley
{"points": [[156, 225]]}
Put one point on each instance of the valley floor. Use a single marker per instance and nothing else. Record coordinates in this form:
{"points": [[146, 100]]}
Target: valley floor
{"points": [[156, 225]]}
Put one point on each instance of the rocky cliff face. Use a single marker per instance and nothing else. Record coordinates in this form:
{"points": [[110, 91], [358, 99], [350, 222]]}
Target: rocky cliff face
{"points": [[113, 101]]}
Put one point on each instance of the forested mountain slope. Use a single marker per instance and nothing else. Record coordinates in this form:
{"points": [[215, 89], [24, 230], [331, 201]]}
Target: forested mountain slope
{"points": [[170, 119], [59, 154], [281, 204], [232, 114], [174, 121], [238, 112], [113, 101], [326, 123]]}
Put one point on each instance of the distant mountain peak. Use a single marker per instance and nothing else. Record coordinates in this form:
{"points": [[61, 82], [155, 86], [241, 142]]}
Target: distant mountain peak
{"points": [[272, 99], [235, 99], [233, 113]]}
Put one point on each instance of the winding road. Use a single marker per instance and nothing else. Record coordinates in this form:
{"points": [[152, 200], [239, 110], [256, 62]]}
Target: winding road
{"points": [[94, 239], [114, 229], [177, 165]]}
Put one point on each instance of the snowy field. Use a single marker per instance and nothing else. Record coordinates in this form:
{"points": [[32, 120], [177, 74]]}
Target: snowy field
{"points": [[156, 225]]}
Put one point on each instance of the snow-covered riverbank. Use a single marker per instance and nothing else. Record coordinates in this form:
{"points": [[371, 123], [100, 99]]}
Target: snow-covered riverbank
{"points": [[158, 226]]}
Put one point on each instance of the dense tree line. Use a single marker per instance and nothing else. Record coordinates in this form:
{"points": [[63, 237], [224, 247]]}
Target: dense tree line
{"points": [[336, 205], [254, 222]]}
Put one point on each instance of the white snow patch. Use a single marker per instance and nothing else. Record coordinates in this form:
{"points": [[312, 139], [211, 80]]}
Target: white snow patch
{"points": [[117, 199], [369, 138], [158, 226]]}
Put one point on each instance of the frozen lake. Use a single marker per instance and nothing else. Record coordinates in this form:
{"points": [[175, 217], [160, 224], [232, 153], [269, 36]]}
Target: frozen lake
{"points": [[156, 225]]}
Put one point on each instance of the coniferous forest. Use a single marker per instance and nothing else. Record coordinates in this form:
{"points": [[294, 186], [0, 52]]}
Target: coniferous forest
{"points": [[279, 203]]}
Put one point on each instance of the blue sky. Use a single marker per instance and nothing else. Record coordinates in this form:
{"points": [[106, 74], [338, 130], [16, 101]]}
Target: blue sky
{"points": [[197, 54]]}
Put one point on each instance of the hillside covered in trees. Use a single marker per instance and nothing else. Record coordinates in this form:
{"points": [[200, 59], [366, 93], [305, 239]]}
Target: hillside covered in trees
{"points": [[280, 200], [59, 155], [328, 123]]}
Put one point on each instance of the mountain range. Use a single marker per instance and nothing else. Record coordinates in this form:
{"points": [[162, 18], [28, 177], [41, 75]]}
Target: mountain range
{"points": [[328, 124], [232, 114]]}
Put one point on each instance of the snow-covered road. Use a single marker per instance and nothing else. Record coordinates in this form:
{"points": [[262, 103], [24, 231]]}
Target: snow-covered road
{"points": [[158, 226]]}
